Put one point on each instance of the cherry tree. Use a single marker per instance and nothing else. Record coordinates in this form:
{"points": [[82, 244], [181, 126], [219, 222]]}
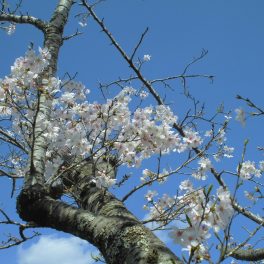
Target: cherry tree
{"points": [[66, 155]]}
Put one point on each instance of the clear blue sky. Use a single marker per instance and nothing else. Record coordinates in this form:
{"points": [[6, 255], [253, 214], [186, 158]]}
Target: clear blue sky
{"points": [[232, 32]]}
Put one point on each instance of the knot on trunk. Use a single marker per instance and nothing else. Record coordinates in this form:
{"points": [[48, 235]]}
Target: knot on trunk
{"points": [[26, 200]]}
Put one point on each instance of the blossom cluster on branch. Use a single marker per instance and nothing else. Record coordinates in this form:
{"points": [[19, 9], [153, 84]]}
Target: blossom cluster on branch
{"points": [[201, 213], [86, 129], [79, 130]]}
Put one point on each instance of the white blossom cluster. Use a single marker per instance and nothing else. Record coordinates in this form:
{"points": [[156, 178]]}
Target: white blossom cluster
{"points": [[248, 170], [104, 180], [18, 98], [19, 95], [148, 175], [159, 208], [97, 130], [146, 57], [84, 128], [11, 29], [83, 20], [203, 212], [240, 116], [223, 150], [205, 165], [192, 139]]}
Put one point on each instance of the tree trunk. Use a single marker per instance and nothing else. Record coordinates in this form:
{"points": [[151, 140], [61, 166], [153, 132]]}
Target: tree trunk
{"points": [[102, 220]]}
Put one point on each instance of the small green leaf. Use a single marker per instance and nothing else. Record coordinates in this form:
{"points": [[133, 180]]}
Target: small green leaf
{"points": [[210, 189], [188, 220]]}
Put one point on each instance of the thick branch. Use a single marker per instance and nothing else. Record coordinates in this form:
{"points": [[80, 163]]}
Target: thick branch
{"points": [[38, 23], [53, 41], [132, 232], [249, 254], [132, 242], [109, 226], [257, 219]]}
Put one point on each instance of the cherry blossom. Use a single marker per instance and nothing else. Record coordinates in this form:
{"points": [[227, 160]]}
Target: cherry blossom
{"points": [[146, 57], [77, 129], [261, 165], [192, 138], [248, 169], [186, 185], [104, 180], [250, 196], [86, 128], [150, 194], [143, 94], [228, 152], [202, 215], [83, 20], [240, 116], [11, 29], [205, 165]]}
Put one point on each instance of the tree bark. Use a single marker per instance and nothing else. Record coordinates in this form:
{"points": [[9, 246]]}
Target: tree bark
{"points": [[102, 220], [248, 254], [53, 40]]}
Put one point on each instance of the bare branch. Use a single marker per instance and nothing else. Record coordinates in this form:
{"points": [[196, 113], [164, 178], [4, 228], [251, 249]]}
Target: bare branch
{"points": [[12, 240], [123, 53], [252, 105], [139, 43], [182, 76], [77, 33]]}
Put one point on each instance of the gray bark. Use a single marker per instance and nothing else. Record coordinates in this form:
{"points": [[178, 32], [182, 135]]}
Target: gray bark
{"points": [[249, 254], [53, 39], [102, 220]]}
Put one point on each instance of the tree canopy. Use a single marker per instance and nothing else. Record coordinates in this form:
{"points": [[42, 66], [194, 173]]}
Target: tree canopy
{"points": [[131, 159]]}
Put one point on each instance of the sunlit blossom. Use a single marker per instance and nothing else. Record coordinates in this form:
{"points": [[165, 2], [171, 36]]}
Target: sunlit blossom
{"points": [[146, 57], [11, 29], [248, 169], [240, 116]]}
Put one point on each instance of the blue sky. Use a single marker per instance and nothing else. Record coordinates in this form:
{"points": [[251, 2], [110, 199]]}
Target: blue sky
{"points": [[232, 32]]}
